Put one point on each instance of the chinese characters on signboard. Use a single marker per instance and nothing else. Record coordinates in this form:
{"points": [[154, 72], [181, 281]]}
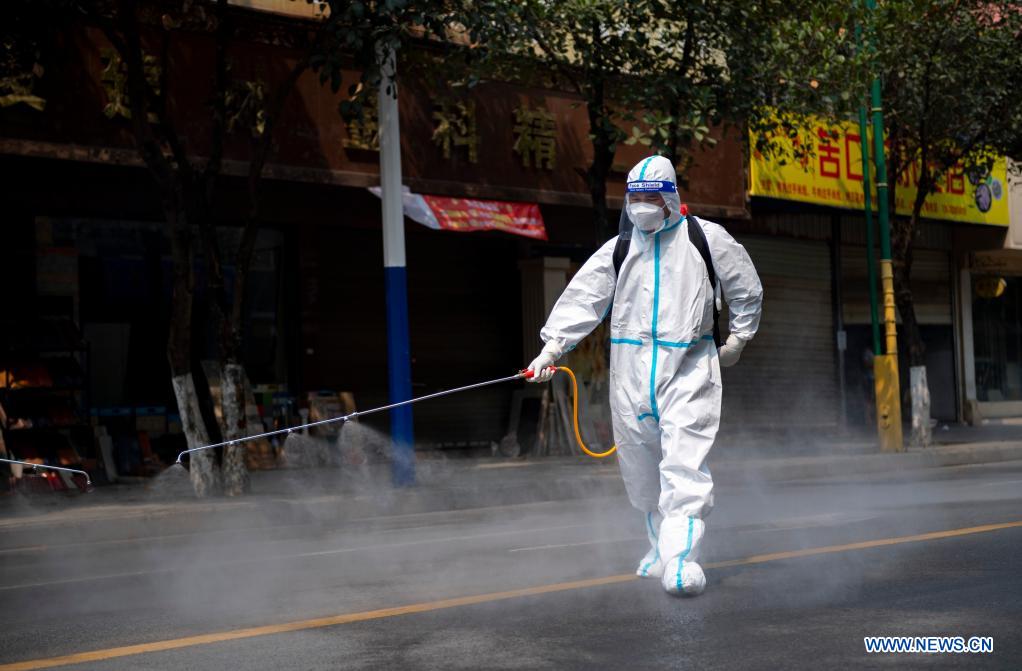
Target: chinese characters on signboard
{"points": [[455, 126], [534, 129], [364, 132], [468, 214], [832, 175], [465, 215], [535, 133]]}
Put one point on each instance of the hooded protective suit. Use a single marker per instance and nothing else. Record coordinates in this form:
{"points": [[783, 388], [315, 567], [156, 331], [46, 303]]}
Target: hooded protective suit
{"points": [[665, 385]]}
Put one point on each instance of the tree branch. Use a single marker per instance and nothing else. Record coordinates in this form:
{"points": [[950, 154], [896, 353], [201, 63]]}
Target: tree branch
{"points": [[166, 127], [220, 83], [273, 112], [138, 93], [552, 59]]}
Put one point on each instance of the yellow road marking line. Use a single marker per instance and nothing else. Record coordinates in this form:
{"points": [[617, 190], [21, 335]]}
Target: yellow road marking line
{"points": [[318, 623], [881, 542]]}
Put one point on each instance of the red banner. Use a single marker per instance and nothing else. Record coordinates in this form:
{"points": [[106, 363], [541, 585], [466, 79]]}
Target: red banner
{"points": [[466, 214]]}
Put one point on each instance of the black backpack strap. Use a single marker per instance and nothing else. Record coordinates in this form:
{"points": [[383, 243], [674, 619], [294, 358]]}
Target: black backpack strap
{"points": [[620, 252], [698, 239]]}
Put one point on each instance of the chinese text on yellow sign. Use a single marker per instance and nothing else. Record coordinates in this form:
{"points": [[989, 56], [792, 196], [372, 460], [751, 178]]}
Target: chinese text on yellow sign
{"points": [[833, 176]]}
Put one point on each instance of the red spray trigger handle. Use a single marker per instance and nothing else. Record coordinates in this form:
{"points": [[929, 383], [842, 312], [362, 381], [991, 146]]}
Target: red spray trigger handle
{"points": [[528, 373]]}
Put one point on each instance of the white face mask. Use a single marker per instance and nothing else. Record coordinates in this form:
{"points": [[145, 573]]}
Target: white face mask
{"points": [[647, 216]]}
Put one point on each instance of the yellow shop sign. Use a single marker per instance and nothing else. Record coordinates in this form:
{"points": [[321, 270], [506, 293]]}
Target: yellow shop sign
{"points": [[833, 176]]}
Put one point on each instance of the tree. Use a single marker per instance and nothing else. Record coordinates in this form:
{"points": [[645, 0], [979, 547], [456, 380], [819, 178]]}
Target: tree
{"points": [[138, 80], [949, 69], [22, 37], [589, 47], [581, 45], [361, 35], [670, 71], [189, 185], [710, 64], [253, 109]]}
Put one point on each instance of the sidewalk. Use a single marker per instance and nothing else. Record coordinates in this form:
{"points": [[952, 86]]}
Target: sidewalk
{"points": [[326, 496]]}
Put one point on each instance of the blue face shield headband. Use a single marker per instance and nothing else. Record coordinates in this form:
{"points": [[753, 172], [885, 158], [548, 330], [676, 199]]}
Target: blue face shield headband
{"points": [[651, 186]]}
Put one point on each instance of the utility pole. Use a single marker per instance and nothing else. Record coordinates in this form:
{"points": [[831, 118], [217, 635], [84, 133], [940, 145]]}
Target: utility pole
{"points": [[871, 265], [399, 369], [885, 367]]}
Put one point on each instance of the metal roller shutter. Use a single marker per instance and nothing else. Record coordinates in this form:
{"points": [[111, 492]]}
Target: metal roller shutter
{"points": [[464, 320], [931, 289], [786, 377], [931, 285]]}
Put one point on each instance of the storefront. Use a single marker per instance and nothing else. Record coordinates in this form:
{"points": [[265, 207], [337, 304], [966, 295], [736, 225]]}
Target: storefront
{"points": [[959, 222], [94, 238], [990, 285], [992, 334]]}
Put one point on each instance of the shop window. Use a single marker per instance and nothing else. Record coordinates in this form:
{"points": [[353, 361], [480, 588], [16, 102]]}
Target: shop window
{"points": [[997, 333]]}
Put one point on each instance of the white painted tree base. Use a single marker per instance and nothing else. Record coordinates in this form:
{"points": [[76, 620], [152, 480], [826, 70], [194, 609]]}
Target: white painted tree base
{"points": [[922, 434], [232, 387], [200, 465]]}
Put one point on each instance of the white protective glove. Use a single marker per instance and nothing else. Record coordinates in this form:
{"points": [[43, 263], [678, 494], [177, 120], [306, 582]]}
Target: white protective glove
{"points": [[731, 350], [541, 365]]}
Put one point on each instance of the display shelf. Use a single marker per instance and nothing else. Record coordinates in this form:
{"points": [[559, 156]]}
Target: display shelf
{"points": [[44, 378]]}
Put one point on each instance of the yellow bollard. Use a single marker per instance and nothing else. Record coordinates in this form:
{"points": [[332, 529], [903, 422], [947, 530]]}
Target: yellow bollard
{"points": [[888, 402], [890, 316]]}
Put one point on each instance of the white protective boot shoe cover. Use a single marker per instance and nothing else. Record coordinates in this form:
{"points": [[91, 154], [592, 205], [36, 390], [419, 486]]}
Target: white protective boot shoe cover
{"points": [[682, 575], [650, 566], [683, 578]]}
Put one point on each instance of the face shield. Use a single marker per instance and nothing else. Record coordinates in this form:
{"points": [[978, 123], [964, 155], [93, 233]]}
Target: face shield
{"points": [[652, 205]]}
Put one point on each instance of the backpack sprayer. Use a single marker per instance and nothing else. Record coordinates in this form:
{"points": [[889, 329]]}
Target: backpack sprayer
{"points": [[521, 375]]}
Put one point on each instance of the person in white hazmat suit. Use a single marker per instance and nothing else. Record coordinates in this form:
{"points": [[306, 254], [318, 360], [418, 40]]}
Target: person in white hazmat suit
{"points": [[665, 385]]}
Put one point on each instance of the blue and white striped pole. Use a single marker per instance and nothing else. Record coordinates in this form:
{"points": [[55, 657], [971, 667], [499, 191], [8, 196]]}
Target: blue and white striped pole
{"points": [[399, 370]]}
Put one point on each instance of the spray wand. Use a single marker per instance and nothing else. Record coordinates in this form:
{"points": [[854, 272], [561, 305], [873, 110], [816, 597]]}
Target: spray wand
{"points": [[521, 375], [88, 482]]}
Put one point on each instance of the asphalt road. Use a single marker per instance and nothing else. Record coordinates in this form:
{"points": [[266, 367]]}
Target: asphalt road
{"points": [[798, 573]]}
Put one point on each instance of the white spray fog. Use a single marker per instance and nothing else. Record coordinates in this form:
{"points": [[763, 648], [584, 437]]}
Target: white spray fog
{"points": [[332, 535], [320, 538]]}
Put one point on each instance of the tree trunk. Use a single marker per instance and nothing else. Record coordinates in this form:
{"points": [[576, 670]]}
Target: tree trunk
{"points": [[200, 464], [604, 138], [235, 471], [603, 158], [233, 468], [903, 236], [204, 480], [602, 229], [922, 436]]}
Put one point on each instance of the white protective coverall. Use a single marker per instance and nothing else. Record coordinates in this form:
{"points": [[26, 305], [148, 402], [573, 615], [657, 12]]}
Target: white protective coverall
{"points": [[665, 385]]}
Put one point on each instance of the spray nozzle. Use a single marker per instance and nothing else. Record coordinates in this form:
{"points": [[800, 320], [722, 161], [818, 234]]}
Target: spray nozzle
{"points": [[528, 374]]}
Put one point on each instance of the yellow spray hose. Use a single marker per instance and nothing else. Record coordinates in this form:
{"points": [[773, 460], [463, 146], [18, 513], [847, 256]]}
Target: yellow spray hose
{"points": [[578, 434]]}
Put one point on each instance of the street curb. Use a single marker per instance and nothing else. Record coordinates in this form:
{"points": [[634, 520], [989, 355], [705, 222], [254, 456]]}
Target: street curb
{"points": [[802, 468], [140, 521]]}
